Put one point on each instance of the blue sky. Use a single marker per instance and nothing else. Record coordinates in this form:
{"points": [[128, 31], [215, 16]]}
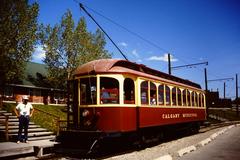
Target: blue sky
{"points": [[193, 31]]}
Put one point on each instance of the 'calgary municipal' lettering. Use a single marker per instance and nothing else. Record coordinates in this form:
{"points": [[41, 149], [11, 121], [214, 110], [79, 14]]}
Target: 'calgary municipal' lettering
{"points": [[169, 116], [186, 115]]}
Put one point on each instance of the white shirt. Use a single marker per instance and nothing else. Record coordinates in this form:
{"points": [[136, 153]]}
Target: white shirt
{"points": [[24, 109]]}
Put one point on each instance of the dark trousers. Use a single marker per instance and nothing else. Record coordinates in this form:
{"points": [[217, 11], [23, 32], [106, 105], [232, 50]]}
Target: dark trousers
{"points": [[23, 123]]}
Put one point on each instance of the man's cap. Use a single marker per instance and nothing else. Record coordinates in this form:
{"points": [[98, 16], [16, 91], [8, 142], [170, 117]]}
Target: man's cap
{"points": [[25, 97]]}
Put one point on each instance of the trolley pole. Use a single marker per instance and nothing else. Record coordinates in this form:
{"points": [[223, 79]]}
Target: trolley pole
{"points": [[169, 64], [83, 8]]}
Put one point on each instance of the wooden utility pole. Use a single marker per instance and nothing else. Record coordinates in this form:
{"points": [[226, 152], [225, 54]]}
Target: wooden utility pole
{"points": [[224, 90], [206, 83], [205, 73], [237, 95], [206, 91], [169, 64], [224, 85]]}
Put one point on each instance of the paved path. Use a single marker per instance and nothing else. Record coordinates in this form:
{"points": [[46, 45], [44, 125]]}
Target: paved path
{"points": [[224, 147]]}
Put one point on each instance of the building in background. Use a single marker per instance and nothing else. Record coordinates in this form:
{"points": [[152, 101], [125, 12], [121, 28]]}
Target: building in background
{"points": [[35, 85], [216, 102]]}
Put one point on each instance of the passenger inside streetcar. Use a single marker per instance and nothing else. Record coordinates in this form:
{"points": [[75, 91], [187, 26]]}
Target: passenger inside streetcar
{"points": [[104, 96], [153, 100], [109, 93]]}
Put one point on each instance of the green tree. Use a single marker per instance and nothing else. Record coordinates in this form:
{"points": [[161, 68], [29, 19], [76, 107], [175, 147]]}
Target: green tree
{"points": [[68, 46], [18, 26]]}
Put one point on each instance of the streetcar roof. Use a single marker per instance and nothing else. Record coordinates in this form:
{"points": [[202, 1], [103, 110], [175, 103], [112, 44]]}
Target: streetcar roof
{"points": [[124, 66]]}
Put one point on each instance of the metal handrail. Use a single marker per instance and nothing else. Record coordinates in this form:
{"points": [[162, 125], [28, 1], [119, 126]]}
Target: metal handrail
{"points": [[58, 119], [50, 114]]}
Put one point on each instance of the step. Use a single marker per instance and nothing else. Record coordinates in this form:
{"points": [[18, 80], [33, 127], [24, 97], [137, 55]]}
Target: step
{"points": [[7, 114], [2, 111], [10, 117], [51, 137], [40, 134], [9, 121], [35, 134], [13, 120], [13, 123], [16, 127], [41, 146], [16, 123], [29, 130]]}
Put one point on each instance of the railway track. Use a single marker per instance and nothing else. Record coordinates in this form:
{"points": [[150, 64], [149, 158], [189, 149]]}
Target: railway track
{"points": [[120, 149]]}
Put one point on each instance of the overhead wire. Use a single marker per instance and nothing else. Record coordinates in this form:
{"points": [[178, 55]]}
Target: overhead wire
{"points": [[129, 31], [230, 90], [144, 39], [132, 32]]}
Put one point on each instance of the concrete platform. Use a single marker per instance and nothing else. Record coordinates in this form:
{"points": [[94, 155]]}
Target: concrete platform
{"points": [[35, 147], [12, 149]]}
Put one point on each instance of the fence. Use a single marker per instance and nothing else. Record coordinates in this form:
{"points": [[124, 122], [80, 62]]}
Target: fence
{"points": [[5, 123]]}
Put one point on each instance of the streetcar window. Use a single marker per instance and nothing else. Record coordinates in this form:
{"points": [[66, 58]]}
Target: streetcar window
{"points": [[144, 92], [129, 97], [179, 93], [167, 90], [153, 93], [184, 97], [189, 98], [88, 92], [161, 94], [174, 97], [109, 90]]}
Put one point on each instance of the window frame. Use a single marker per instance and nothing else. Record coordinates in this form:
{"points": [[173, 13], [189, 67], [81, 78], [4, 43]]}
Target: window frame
{"points": [[134, 92], [163, 94], [110, 92], [80, 90], [179, 97], [151, 97], [174, 94], [167, 103], [147, 92]]}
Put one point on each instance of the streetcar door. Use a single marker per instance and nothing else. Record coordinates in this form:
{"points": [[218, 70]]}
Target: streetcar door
{"points": [[72, 104]]}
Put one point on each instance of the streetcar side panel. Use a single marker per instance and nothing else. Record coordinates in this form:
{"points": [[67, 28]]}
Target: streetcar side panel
{"points": [[158, 116]]}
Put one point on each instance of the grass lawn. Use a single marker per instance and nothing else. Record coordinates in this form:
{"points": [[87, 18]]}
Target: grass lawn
{"points": [[43, 119]]}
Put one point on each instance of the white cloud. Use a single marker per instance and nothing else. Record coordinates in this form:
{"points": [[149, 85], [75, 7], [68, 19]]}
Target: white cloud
{"points": [[162, 58], [134, 52], [123, 44], [139, 60], [39, 53]]}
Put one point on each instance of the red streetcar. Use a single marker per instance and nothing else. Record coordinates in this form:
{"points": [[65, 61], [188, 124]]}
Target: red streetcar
{"points": [[118, 98]]}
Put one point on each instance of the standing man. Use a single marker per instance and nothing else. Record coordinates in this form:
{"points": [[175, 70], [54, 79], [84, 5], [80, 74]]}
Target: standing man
{"points": [[23, 111]]}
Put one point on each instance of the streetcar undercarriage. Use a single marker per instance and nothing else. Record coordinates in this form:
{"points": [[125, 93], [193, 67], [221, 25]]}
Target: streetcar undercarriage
{"points": [[89, 142]]}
